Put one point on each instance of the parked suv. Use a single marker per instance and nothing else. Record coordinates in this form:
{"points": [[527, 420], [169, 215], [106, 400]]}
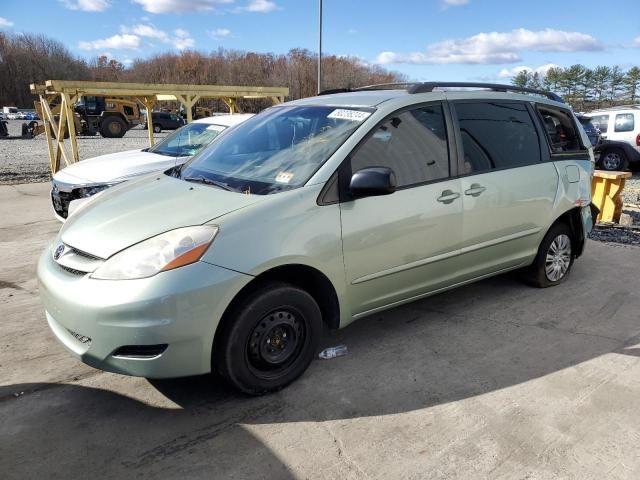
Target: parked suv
{"points": [[619, 124], [311, 215], [165, 121], [610, 155]]}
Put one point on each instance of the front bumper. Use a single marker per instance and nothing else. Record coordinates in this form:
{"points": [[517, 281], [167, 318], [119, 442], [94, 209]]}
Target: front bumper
{"points": [[180, 308]]}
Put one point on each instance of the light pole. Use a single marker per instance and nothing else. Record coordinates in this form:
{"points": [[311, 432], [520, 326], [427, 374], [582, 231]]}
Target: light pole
{"points": [[319, 46]]}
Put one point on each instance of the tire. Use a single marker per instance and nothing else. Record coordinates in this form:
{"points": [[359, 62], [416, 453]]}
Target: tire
{"points": [[613, 160], [554, 259], [268, 339], [157, 128], [113, 127]]}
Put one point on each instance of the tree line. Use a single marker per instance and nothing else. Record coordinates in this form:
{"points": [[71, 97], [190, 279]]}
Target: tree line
{"points": [[585, 88], [30, 58]]}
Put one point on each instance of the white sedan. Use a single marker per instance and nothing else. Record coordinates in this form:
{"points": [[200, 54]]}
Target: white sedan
{"points": [[74, 184]]}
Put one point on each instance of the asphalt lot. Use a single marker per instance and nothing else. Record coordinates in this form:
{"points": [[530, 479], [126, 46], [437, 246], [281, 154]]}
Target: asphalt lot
{"points": [[493, 380]]}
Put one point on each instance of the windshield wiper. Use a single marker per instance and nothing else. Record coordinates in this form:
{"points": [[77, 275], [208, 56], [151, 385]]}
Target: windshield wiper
{"points": [[208, 181]]}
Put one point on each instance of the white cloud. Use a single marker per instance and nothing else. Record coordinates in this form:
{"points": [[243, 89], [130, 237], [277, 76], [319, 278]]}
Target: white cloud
{"points": [[127, 62], [495, 47], [87, 5], [5, 23], [352, 31], [184, 39], [219, 33], [148, 31], [512, 72], [454, 3], [116, 42], [180, 6], [259, 6], [636, 42]]}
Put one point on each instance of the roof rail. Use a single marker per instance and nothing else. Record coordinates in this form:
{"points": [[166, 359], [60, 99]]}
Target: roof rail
{"points": [[378, 86], [385, 86], [334, 90], [496, 87]]}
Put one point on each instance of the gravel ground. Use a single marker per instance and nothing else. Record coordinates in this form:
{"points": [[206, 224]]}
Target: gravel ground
{"points": [[26, 161]]}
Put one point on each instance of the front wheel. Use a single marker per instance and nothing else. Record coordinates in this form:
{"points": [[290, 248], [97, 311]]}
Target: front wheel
{"points": [[269, 339], [554, 259]]}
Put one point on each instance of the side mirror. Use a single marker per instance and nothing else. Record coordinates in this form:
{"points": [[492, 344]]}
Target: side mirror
{"points": [[372, 181]]}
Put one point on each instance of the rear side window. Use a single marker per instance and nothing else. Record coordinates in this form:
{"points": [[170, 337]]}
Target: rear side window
{"points": [[601, 122], [624, 122], [496, 135], [560, 129], [412, 143]]}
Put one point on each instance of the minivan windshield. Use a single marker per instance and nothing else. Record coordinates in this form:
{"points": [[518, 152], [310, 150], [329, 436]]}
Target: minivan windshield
{"points": [[276, 150], [187, 140]]}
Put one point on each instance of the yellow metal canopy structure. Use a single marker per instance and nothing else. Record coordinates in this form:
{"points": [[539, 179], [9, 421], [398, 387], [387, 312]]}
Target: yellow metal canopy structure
{"points": [[65, 93]]}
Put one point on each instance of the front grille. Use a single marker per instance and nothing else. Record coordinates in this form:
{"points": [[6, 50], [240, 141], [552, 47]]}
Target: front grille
{"points": [[71, 270], [61, 201]]}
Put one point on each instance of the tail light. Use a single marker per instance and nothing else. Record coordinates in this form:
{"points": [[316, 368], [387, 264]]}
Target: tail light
{"points": [[638, 140]]}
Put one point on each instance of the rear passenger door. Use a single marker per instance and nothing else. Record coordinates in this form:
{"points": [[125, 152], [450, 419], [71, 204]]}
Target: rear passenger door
{"points": [[508, 191]]}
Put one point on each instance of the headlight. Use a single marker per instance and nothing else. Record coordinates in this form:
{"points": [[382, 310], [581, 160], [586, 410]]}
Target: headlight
{"points": [[89, 191], [166, 251]]}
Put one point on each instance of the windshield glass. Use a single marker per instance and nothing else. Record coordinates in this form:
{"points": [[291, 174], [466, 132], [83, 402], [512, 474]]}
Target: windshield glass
{"points": [[277, 150], [187, 140]]}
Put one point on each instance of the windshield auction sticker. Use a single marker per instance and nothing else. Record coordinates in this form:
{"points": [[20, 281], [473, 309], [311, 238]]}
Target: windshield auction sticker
{"points": [[353, 115], [284, 177]]}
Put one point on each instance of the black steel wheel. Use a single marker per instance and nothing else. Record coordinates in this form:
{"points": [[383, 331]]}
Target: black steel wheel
{"points": [[268, 339]]}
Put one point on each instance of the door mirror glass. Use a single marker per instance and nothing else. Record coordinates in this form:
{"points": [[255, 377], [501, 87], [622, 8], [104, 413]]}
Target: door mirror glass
{"points": [[372, 181]]}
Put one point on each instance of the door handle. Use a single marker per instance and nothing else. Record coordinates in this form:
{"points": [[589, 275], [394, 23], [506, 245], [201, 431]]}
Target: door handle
{"points": [[448, 196], [475, 190]]}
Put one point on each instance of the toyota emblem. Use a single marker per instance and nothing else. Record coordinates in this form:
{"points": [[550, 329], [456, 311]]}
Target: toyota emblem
{"points": [[58, 252]]}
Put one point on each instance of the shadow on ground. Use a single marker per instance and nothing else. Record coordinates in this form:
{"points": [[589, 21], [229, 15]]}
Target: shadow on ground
{"points": [[464, 343]]}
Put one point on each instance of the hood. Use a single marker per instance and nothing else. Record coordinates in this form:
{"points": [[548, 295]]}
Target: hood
{"points": [[114, 167], [128, 213]]}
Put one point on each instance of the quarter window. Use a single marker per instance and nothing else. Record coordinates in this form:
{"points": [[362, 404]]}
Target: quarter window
{"points": [[496, 135], [560, 129], [412, 143], [601, 122], [624, 122]]}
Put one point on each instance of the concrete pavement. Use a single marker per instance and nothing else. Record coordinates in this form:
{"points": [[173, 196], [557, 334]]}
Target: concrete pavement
{"points": [[493, 380]]}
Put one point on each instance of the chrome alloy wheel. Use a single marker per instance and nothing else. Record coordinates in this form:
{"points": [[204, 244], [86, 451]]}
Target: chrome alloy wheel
{"points": [[558, 258]]}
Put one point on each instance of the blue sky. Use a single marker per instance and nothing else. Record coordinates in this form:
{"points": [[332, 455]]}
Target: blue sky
{"points": [[475, 40]]}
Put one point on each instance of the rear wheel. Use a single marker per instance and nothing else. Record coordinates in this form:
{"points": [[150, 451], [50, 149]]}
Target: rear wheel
{"points": [[113, 127], [613, 160], [269, 339], [157, 128], [554, 259]]}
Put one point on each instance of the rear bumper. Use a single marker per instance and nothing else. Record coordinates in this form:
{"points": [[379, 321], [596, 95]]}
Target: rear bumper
{"points": [[180, 308]]}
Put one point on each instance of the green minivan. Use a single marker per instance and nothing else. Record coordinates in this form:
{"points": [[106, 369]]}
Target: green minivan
{"points": [[311, 215]]}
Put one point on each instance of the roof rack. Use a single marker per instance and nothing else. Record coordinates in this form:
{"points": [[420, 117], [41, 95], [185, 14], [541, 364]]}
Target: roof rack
{"points": [[424, 87], [496, 87], [378, 86]]}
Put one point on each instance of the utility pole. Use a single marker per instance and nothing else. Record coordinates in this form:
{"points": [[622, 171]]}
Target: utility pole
{"points": [[319, 46]]}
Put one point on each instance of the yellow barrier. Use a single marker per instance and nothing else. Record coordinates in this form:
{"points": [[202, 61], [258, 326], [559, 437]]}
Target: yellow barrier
{"points": [[605, 192]]}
